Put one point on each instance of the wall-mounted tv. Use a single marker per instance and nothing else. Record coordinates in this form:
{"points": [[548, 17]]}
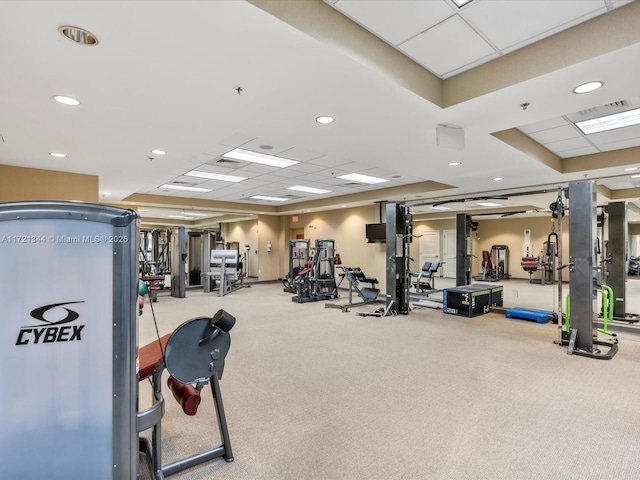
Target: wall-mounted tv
{"points": [[376, 232]]}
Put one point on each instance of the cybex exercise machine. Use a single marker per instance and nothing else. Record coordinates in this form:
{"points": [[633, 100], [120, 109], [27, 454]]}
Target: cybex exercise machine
{"points": [[298, 259]]}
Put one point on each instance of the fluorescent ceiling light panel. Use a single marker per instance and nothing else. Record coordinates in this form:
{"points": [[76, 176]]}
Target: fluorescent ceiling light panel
{"points": [[489, 204], [439, 207], [265, 197], [158, 152], [302, 188], [166, 186], [261, 158], [610, 122], [357, 177], [183, 217], [215, 176], [58, 155]]}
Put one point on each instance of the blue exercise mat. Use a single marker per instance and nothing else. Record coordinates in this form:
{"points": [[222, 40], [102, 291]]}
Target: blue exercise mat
{"points": [[538, 316]]}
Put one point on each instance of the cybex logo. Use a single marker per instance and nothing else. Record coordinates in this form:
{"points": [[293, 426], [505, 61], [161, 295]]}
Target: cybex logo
{"points": [[54, 331]]}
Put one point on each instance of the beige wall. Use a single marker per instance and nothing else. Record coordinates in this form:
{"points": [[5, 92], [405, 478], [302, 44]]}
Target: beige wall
{"points": [[245, 233], [23, 184]]}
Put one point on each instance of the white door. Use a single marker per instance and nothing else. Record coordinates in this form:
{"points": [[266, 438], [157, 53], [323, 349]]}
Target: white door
{"points": [[449, 253], [429, 249]]}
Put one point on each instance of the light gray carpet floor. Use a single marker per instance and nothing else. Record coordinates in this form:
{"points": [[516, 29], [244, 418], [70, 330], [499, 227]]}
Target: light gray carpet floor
{"points": [[315, 393]]}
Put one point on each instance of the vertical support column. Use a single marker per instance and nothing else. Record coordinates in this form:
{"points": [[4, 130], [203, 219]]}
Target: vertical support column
{"points": [[463, 249], [582, 251], [617, 249]]}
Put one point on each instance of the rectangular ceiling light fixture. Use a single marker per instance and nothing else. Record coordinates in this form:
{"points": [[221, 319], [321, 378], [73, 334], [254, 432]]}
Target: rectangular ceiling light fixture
{"points": [[489, 204], [271, 199], [610, 122], [358, 177], [215, 176], [302, 188], [261, 158], [183, 217], [182, 188], [462, 3], [439, 207]]}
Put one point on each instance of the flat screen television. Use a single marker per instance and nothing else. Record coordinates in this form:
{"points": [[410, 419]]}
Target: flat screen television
{"points": [[376, 232]]}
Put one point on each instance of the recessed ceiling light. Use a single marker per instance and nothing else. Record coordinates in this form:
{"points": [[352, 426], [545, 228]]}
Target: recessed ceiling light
{"points": [[183, 217], [588, 87], [636, 176], [261, 158], [167, 186], [58, 155], [610, 122], [357, 177], [215, 176], [630, 169], [106, 194], [461, 3], [489, 204], [66, 100], [158, 152], [266, 197], [439, 207], [78, 35], [325, 119], [454, 164], [302, 188], [497, 179]]}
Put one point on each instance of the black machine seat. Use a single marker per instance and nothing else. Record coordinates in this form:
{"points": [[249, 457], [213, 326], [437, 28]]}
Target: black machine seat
{"points": [[425, 275], [361, 277]]}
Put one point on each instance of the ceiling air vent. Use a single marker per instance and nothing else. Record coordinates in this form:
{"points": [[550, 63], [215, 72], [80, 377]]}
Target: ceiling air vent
{"points": [[178, 182], [602, 111]]}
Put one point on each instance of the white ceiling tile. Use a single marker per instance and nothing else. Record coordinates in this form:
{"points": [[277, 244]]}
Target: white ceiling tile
{"points": [[629, 143], [509, 23], [471, 65], [447, 46], [576, 152], [543, 125], [556, 134], [230, 142], [395, 21], [616, 135], [572, 143]]}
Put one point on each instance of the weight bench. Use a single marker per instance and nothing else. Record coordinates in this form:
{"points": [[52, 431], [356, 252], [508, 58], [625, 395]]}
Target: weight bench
{"points": [[194, 356], [368, 294]]}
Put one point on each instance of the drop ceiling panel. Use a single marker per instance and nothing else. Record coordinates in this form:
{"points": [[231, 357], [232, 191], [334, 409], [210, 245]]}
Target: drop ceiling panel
{"points": [[447, 46], [395, 21], [543, 125], [619, 134], [632, 142], [568, 144], [517, 23], [576, 152], [556, 134]]}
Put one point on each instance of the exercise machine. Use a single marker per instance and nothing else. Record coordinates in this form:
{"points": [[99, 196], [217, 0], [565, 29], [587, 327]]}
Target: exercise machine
{"points": [[226, 271], [317, 281], [298, 257], [354, 277], [179, 250], [579, 335], [194, 356], [69, 397], [398, 271], [424, 280]]}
